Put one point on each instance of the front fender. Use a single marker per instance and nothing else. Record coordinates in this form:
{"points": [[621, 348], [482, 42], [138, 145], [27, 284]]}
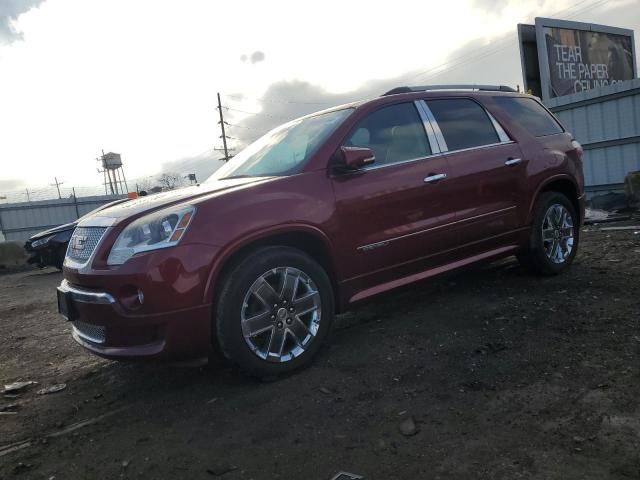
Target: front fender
{"points": [[261, 237]]}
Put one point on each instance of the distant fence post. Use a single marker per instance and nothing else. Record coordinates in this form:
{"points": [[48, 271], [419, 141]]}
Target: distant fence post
{"points": [[75, 202]]}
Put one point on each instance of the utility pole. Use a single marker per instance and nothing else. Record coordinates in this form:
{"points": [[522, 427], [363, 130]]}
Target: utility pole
{"points": [[57, 185], [28, 198], [75, 202], [223, 136]]}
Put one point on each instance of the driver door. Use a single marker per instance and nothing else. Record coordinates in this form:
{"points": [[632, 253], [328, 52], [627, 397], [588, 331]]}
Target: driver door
{"points": [[395, 214]]}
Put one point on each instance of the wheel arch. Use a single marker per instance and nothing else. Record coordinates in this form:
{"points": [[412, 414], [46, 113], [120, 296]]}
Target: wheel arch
{"points": [[306, 238], [559, 183]]}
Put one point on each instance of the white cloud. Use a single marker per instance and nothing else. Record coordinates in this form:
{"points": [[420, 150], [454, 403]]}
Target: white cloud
{"points": [[140, 78], [10, 10]]}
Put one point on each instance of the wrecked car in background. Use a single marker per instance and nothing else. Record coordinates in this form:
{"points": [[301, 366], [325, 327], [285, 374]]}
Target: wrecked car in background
{"points": [[48, 248]]}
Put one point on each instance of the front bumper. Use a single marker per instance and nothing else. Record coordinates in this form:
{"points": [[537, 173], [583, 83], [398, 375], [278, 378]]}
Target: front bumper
{"points": [[44, 255], [103, 326]]}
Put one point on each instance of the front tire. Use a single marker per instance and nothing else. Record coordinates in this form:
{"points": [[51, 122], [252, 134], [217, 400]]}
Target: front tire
{"points": [[59, 255], [555, 234], [274, 311]]}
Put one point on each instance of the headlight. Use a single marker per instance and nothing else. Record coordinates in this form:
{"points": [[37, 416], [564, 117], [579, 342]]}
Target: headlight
{"points": [[160, 229], [41, 241]]}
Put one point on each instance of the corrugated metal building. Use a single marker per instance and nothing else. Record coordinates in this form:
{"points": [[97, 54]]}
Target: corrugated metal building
{"points": [[606, 121], [18, 221]]}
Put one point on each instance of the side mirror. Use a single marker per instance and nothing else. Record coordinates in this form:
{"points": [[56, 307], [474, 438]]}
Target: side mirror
{"points": [[355, 158]]}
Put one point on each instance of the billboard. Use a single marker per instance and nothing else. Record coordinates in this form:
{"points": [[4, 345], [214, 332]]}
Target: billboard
{"points": [[562, 58], [580, 60]]}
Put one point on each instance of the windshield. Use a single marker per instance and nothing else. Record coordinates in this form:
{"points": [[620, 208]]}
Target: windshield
{"points": [[283, 150]]}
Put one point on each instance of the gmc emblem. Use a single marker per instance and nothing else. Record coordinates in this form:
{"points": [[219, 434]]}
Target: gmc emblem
{"points": [[78, 242]]}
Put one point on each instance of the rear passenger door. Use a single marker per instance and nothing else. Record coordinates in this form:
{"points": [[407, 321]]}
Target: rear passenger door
{"points": [[487, 172]]}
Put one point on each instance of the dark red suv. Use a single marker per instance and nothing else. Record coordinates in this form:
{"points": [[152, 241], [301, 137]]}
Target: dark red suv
{"points": [[321, 213]]}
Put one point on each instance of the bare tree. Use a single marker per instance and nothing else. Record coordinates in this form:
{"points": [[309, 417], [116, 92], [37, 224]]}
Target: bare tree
{"points": [[145, 184], [170, 180]]}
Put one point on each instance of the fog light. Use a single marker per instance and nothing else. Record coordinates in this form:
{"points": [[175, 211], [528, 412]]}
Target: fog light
{"points": [[131, 297]]}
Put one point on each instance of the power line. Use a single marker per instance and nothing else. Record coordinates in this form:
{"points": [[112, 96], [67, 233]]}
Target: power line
{"points": [[234, 125], [453, 63], [262, 132], [262, 100], [432, 72], [463, 59], [252, 113]]}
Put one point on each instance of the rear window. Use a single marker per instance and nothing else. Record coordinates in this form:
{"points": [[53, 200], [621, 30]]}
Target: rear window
{"points": [[531, 115], [463, 123]]}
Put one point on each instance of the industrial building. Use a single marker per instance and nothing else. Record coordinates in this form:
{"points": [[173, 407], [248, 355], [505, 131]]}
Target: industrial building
{"points": [[587, 75]]}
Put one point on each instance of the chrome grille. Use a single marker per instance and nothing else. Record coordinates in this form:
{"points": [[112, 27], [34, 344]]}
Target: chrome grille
{"points": [[83, 242], [93, 333]]}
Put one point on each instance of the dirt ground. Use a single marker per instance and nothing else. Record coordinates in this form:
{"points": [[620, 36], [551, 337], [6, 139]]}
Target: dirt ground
{"points": [[504, 375]]}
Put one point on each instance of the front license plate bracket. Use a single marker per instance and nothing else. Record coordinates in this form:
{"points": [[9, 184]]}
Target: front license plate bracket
{"points": [[66, 306]]}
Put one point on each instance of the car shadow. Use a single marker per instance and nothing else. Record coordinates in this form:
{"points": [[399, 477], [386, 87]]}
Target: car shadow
{"points": [[153, 380]]}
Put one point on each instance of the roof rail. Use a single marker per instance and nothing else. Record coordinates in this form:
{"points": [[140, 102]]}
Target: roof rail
{"points": [[488, 88]]}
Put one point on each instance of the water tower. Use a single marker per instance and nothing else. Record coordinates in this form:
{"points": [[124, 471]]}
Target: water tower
{"points": [[113, 173]]}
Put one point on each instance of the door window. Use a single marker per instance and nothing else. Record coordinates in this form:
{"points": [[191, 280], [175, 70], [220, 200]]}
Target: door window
{"points": [[394, 133], [463, 123], [533, 116]]}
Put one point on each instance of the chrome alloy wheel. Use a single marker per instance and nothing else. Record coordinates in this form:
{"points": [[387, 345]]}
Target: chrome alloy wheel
{"points": [[281, 314], [557, 233]]}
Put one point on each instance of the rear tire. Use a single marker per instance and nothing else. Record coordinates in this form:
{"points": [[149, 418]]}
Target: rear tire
{"points": [[273, 312], [554, 238]]}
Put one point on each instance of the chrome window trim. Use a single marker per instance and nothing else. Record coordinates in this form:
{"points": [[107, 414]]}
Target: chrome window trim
{"points": [[439, 147], [384, 243], [489, 145], [433, 143], [436, 128], [436, 155], [428, 127], [401, 162], [502, 135]]}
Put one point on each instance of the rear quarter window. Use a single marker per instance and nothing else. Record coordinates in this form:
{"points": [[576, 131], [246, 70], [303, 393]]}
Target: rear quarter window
{"points": [[530, 114]]}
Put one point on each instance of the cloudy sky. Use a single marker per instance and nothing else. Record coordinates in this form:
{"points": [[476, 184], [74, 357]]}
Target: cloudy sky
{"points": [[140, 77]]}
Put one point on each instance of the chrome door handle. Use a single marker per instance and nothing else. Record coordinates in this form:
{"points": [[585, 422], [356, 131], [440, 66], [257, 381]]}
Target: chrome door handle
{"points": [[435, 178], [512, 161]]}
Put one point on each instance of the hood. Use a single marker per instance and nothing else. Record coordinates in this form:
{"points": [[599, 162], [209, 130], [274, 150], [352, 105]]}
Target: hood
{"points": [[115, 214], [51, 231], [102, 207]]}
